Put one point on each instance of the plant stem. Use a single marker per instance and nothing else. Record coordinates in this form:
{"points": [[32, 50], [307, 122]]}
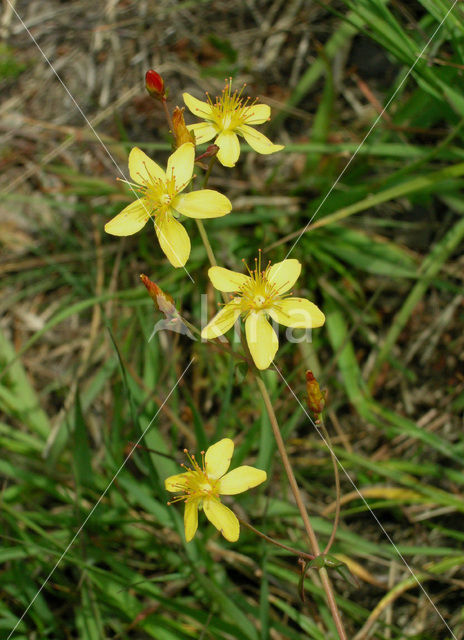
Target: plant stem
{"points": [[301, 507], [208, 171], [206, 243], [337, 488], [296, 552], [200, 225], [164, 102]]}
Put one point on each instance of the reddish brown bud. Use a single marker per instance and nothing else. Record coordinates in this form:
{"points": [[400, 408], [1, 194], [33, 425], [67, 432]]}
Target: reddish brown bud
{"points": [[154, 84], [315, 397], [163, 301], [180, 131], [209, 153]]}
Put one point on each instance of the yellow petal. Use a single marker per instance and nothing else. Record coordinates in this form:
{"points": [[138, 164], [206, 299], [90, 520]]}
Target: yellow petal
{"points": [[190, 519], [222, 518], [173, 239], [229, 148], [226, 280], [176, 483], [204, 131], [218, 457], [298, 313], [240, 480], [257, 114], [262, 339], [283, 275], [142, 169], [130, 220], [257, 141], [222, 321], [204, 203], [180, 165], [197, 107]]}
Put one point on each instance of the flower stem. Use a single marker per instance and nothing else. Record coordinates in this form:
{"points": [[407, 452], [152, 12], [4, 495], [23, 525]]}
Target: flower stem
{"points": [[301, 507], [296, 552], [206, 243], [208, 171], [164, 102], [200, 225], [337, 488]]}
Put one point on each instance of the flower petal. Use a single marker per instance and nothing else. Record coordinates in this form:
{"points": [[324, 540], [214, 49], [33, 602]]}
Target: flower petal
{"points": [[229, 148], [218, 457], [226, 280], [142, 169], [204, 131], [240, 480], [262, 339], [258, 141], [173, 239], [180, 165], [130, 220], [298, 313], [222, 321], [257, 114], [205, 203], [190, 519], [223, 519], [283, 275], [176, 483], [197, 107]]}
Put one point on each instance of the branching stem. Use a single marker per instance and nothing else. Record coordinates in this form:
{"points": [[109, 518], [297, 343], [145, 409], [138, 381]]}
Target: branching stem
{"points": [[296, 552], [301, 507]]}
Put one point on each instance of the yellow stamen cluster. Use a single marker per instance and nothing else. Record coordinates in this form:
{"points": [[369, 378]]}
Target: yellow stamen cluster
{"points": [[230, 110], [259, 293], [196, 483], [160, 193]]}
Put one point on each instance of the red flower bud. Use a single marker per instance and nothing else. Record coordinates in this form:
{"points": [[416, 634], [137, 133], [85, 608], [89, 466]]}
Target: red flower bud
{"points": [[209, 153], [154, 84], [315, 397]]}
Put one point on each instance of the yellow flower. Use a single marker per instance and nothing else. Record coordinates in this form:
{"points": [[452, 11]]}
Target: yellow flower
{"points": [[161, 197], [202, 485], [230, 115], [260, 295]]}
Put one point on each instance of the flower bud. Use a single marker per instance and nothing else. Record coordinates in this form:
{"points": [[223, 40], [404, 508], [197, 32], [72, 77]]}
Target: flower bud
{"points": [[180, 131], [163, 301], [154, 84], [315, 397], [209, 153]]}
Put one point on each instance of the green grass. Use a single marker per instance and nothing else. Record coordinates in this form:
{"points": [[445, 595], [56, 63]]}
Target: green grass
{"points": [[382, 261]]}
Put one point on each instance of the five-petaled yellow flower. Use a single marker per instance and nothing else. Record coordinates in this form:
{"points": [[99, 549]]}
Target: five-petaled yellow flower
{"points": [[161, 197], [260, 295], [202, 485], [230, 115]]}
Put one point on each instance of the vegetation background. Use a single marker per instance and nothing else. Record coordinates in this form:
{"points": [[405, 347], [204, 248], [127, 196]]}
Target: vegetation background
{"points": [[383, 258]]}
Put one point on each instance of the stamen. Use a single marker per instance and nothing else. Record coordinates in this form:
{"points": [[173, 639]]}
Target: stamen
{"points": [[148, 173], [134, 185], [247, 267]]}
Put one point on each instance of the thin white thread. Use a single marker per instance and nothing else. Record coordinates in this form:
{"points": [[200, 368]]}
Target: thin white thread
{"points": [[365, 502], [94, 131], [89, 515], [372, 128]]}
